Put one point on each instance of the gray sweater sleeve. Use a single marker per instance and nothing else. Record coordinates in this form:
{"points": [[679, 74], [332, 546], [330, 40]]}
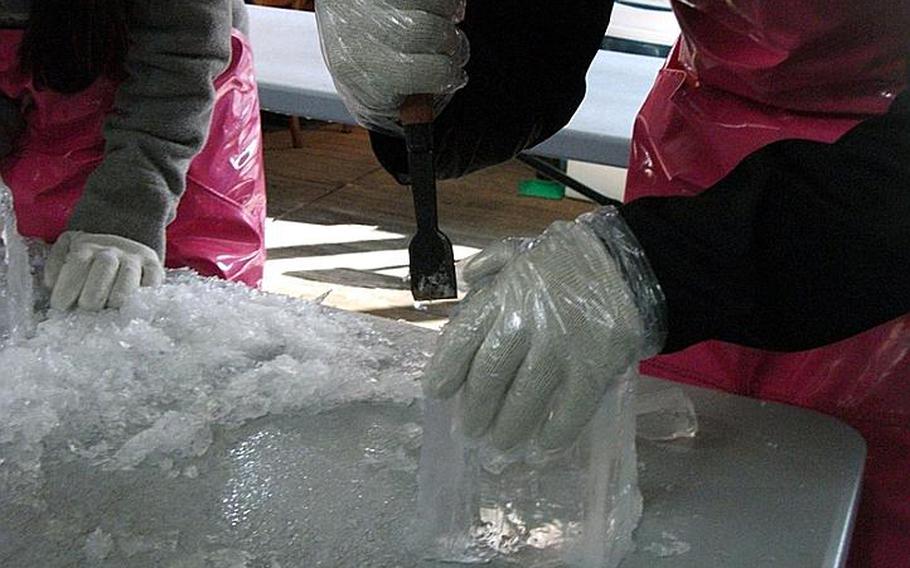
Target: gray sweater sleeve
{"points": [[160, 119]]}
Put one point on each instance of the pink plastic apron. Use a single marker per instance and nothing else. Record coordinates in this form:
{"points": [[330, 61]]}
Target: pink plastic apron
{"points": [[744, 74], [219, 227]]}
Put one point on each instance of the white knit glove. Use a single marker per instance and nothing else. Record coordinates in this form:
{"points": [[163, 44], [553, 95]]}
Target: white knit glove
{"points": [[380, 51], [549, 324], [98, 271]]}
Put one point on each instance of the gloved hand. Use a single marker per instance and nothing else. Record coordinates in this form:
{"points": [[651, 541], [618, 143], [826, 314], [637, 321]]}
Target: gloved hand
{"points": [[548, 325], [98, 271], [380, 51]]}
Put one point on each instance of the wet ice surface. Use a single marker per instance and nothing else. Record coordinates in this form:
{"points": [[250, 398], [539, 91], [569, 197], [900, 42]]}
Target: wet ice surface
{"points": [[205, 424], [196, 422]]}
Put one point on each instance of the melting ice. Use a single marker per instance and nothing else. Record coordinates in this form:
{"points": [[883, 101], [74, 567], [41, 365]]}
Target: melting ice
{"points": [[205, 424], [15, 276], [151, 434]]}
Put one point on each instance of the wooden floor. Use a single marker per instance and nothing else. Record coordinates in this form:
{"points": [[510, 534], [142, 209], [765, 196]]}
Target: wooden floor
{"points": [[340, 225]]}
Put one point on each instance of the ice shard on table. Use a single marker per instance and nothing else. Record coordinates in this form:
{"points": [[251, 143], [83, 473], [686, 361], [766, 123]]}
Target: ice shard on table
{"points": [[576, 508], [16, 296]]}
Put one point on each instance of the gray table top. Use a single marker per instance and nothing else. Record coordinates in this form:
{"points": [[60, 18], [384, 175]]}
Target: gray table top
{"points": [[762, 484], [293, 80]]}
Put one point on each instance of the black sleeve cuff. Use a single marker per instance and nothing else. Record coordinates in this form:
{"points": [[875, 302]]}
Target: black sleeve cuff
{"points": [[801, 245]]}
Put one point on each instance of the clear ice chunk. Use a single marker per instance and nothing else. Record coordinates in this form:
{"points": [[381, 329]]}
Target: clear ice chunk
{"points": [[578, 508], [664, 412], [16, 298], [448, 501]]}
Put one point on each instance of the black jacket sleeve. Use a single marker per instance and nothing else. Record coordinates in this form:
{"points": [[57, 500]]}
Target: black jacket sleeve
{"points": [[12, 124], [801, 245], [526, 78]]}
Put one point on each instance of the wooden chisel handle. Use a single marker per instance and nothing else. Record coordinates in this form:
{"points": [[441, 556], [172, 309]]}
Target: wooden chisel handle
{"points": [[416, 116], [416, 109]]}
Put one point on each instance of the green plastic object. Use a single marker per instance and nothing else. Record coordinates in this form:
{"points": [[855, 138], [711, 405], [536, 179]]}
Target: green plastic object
{"points": [[541, 188]]}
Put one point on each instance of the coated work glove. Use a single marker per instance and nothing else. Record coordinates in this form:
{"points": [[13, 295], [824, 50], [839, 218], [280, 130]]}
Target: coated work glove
{"points": [[548, 325], [98, 271], [381, 51]]}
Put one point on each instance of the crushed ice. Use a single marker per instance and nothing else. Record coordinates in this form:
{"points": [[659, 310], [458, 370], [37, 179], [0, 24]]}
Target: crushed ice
{"points": [[150, 381]]}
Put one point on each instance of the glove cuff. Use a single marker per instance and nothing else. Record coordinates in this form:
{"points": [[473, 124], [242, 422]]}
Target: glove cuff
{"points": [[649, 298]]}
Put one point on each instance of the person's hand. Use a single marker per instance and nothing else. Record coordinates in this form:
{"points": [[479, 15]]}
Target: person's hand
{"points": [[98, 271], [548, 325], [381, 51]]}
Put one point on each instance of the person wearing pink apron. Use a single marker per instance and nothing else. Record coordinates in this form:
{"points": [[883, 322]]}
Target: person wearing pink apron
{"points": [[218, 226], [744, 75], [764, 248]]}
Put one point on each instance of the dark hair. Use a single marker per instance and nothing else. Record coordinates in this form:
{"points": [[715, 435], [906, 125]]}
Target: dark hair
{"points": [[68, 44]]}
